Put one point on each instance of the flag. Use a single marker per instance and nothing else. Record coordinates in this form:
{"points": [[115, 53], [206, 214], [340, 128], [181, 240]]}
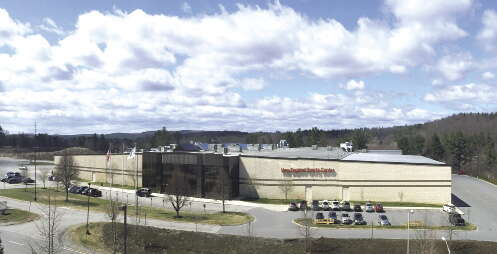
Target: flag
{"points": [[132, 153], [107, 156]]}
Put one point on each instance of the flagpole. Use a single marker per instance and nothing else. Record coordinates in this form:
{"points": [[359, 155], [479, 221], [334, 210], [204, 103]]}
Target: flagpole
{"points": [[122, 183], [110, 168], [136, 185]]}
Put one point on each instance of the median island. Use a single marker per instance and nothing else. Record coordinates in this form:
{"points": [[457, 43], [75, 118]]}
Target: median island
{"points": [[16, 216], [102, 205]]}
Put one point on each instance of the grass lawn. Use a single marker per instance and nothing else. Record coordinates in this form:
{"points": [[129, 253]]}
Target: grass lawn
{"points": [[97, 204], [303, 221], [15, 216], [151, 240]]}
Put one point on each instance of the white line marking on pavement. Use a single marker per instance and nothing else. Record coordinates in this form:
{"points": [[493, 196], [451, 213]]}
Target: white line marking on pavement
{"points": [[76, 251], [15, 243]]}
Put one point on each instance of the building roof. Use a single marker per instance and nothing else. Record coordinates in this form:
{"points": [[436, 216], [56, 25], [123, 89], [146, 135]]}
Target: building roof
{"points": [[392, 158]]}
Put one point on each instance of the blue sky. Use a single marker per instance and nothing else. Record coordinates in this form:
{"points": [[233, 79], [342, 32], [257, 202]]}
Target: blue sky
{"points": [[127, 66]]}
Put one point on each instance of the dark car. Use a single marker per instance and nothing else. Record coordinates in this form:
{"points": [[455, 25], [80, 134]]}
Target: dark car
{"points": [[85, 191], [12, 174], [144, 192], [27, 180], [15, 179], [92, 192], [456, 220], [379, 208], [81, 189], [73, 189], [319, 216], [293, 207], [357, 208], [4, 179], [315, 205], [326, 206], [358, 219], [345, 206], [333, 215], [303, 205], [383, 220]]}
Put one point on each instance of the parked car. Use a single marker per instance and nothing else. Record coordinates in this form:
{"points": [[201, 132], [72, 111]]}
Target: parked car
{"points": [[345, 206], [15, 179], [346, 219], [449, 208], [12, 174], [53, 178], [27, 180], [383, 220], [293, 207], [358, 219], [379, 208], [319, 216], [357, 208], [326, 206], [333, 215], [369, 208], [81, 189], [315, 205], [4, 179], [92, 192], [456, 220], [73, 189], [144, 192], [303, 205], [335, 205], [85, 191]]}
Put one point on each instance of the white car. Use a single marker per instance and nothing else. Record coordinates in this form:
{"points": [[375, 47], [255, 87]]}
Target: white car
{"points": [[449, 208], [335, 205]]}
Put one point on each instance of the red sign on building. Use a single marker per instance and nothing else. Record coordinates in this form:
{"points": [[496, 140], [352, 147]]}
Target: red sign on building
{"points": [[307, 170]]}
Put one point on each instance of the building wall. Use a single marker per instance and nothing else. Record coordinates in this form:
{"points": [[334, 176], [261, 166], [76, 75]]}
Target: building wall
{"points": [[96, 169], [263, 178]]}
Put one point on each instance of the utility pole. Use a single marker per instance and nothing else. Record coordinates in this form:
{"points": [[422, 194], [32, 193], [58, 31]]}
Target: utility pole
{"points": [[88, 213], [35, 148]]}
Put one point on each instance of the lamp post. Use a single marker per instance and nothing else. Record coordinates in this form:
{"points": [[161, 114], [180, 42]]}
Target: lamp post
{"points": [[408, 233], [443, 238], [88, 213], [371, 219]]}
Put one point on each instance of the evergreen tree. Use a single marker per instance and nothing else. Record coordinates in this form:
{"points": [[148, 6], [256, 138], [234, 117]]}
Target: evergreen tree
{"points": [[360, 139], [436, 149]]}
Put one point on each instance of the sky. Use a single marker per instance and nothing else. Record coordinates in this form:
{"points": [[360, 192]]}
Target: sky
{"points": [[129, 66]]}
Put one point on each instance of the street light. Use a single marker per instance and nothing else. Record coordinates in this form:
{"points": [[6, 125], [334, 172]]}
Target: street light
{"points": [[88, 213], [408, 233], [443, 238]]}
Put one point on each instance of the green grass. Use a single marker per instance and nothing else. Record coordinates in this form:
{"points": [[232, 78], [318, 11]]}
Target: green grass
{"points": [[151, 240], [127, 187], [15, 216], [97, 204], [303, 221]]}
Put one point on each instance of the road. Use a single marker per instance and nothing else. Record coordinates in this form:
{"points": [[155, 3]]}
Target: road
{"points": [[478, 199]]}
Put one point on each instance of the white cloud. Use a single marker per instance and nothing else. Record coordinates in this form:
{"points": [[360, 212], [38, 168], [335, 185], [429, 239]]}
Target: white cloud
{"points": [[487, 75], [120, 70], [49, 25], [186, 8], [253, 84], [464, 97], [454, 67], [488, 34], [354, 85]]}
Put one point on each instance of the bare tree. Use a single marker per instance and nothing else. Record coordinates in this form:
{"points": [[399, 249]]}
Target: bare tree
{"points": [[48, 227], [286, 187], [305, 229], [426, 239], [224, 187], [43, 177], [177, 193], [112, 212], [66, 171]]}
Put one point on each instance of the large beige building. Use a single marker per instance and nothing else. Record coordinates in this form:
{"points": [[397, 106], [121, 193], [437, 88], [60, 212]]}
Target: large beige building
{"points": [[302, 173], [356, 176]]}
